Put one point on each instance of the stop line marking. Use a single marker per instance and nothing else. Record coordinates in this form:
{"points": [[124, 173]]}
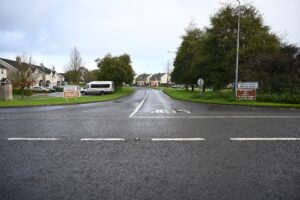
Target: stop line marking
{"points": [[102, 139], [264, 139], [157, 139], [177, 139], [33, 139]]}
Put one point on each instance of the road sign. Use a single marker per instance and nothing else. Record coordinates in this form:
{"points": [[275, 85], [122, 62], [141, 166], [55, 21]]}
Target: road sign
{"points": [[248, 85], [71, 91], [246, 94], [200, 82]]}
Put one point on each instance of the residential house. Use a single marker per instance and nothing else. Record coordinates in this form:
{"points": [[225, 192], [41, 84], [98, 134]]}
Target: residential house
{"points": [[3, 72], [45, 76], [155, 79], [143, 80]]}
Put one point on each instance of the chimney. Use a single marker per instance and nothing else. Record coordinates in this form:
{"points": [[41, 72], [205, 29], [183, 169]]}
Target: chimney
{"points": [[18, 59]]}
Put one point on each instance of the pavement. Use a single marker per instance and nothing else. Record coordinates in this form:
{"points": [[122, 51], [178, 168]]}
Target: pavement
{"points": [[149, 146]]}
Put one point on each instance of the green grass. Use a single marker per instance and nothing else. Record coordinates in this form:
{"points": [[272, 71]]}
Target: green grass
{"points": [[223, 98], [46, 101]]}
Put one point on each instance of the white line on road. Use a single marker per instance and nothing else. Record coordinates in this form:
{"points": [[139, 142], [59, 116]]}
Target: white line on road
{"points": [[139, 106], [33, 139], [177, 139], [217, 117], [102, 139], [264, 139]]}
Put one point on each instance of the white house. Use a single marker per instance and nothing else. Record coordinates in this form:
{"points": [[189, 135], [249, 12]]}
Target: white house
{"points": [[45, 76], [3, 72]]}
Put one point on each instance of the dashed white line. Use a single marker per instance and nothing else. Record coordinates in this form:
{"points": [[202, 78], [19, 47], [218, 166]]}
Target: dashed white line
{"points": [[33, 139], [177, 139], [264, 139], [139, 106], [216, 117], [102, 139]]}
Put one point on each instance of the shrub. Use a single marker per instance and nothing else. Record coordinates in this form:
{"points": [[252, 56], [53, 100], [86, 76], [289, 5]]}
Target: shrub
{"points": [[27, 92], [279, 98]]}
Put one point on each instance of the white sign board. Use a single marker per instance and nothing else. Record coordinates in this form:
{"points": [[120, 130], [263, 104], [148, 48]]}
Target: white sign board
{"points": [[248, 85], [200, 82], [71, 91]]}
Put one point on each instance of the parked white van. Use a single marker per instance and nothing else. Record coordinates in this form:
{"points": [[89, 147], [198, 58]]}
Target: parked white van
{"points": [[98, 87]]}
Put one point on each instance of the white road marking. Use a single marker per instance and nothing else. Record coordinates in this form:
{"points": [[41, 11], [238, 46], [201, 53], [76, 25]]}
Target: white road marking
{"points": [[139, 106], [264, 139], [34, 139], [102, 139], [217, 117], [177, 139]]}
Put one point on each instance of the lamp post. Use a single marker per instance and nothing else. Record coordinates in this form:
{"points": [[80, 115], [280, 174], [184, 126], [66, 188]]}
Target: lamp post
{"points": [[237, 50]]}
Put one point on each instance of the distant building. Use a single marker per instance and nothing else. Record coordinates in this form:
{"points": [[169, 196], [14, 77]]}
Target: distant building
{"points": [[142, 80], [3, 72], [45, 76], [153, 80]]}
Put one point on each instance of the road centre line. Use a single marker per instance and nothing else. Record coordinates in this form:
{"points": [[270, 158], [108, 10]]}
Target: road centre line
{"points": [[177, 139], [264, 139], [102, 139], [139, 106], [215, 117], [33, 139]]}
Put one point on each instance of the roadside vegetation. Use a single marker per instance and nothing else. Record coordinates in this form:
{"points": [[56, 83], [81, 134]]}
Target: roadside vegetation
{"points": [[228, 97], [210, 53], [45, 100]]}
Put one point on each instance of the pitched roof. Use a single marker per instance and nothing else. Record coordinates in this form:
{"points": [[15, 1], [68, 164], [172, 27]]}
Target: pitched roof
{"points": [[156, 77], [142, 77], [33, 67]]}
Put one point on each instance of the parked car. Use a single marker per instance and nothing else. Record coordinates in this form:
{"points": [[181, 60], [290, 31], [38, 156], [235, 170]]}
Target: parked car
{"points": [[40, 89], [98, 87], [59, 88]]}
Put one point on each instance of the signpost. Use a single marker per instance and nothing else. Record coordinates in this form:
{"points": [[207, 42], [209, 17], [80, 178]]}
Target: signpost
{"points": [[71, 91], [247, 91], [200, 82]]}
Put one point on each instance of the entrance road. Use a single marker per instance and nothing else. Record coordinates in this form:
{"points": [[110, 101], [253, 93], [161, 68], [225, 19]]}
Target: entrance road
{"points": [[165, 149]]}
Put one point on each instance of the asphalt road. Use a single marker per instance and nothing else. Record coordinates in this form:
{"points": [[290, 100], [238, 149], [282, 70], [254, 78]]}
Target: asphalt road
{"points": [[148, 146]]}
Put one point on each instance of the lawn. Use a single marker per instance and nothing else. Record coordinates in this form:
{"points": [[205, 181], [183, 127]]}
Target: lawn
{"points": [[44, 100], [223, 97]]}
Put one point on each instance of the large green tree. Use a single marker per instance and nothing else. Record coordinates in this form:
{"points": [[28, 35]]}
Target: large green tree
{"points": [[117, 69], [187, 56], [255, 39]]}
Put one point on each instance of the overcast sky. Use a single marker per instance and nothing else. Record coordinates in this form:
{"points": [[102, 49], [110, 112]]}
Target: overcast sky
{"points": [[145, 29]]}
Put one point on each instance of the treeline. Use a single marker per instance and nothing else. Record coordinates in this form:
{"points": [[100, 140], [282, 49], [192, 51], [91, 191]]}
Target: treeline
{"points": [[110, 68], [210, 53]]}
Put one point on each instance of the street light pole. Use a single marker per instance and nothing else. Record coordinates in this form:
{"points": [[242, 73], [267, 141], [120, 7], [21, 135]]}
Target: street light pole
{"points": [[237, 50]]}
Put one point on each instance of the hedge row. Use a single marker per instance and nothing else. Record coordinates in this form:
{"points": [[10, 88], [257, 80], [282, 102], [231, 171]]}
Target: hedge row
{"points": [[27, 92]]}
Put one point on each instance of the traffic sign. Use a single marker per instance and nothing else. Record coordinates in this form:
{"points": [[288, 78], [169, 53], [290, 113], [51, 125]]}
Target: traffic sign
{"points": [[248, 85]]}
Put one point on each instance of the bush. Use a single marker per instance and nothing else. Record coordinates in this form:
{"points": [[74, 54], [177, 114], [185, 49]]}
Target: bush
{"points": [[279, 98], [27, 92]]}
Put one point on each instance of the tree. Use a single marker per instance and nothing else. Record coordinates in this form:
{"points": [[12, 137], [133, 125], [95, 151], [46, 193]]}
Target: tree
{"points": [[23, 77], [117, 69], [74, 64], [187, 56], [255, 39]]}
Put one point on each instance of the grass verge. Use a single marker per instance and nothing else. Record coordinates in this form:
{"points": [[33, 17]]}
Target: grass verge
{"points": [[222, 98], [47, 101]]}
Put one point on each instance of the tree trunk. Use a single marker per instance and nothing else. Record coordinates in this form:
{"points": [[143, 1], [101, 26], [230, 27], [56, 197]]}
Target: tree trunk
{"points": [[22, 93], [186, 87], [203, 88], [193, 88]]}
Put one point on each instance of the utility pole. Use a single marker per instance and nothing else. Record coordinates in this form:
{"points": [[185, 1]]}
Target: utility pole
{"points": [[237, 50]]}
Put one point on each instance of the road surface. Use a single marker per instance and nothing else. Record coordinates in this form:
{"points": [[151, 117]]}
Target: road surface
{"points": [[148, 146]]}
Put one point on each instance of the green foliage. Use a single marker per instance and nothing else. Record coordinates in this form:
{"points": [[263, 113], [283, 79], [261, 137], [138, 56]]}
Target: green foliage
{"points": [[279, 98], [27, 92], [210, 53], [117, 69]]}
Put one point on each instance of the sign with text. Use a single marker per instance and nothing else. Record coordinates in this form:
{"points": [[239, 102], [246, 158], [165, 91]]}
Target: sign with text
{"points": [[71, 91], [248, 85], [246, 94]]}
